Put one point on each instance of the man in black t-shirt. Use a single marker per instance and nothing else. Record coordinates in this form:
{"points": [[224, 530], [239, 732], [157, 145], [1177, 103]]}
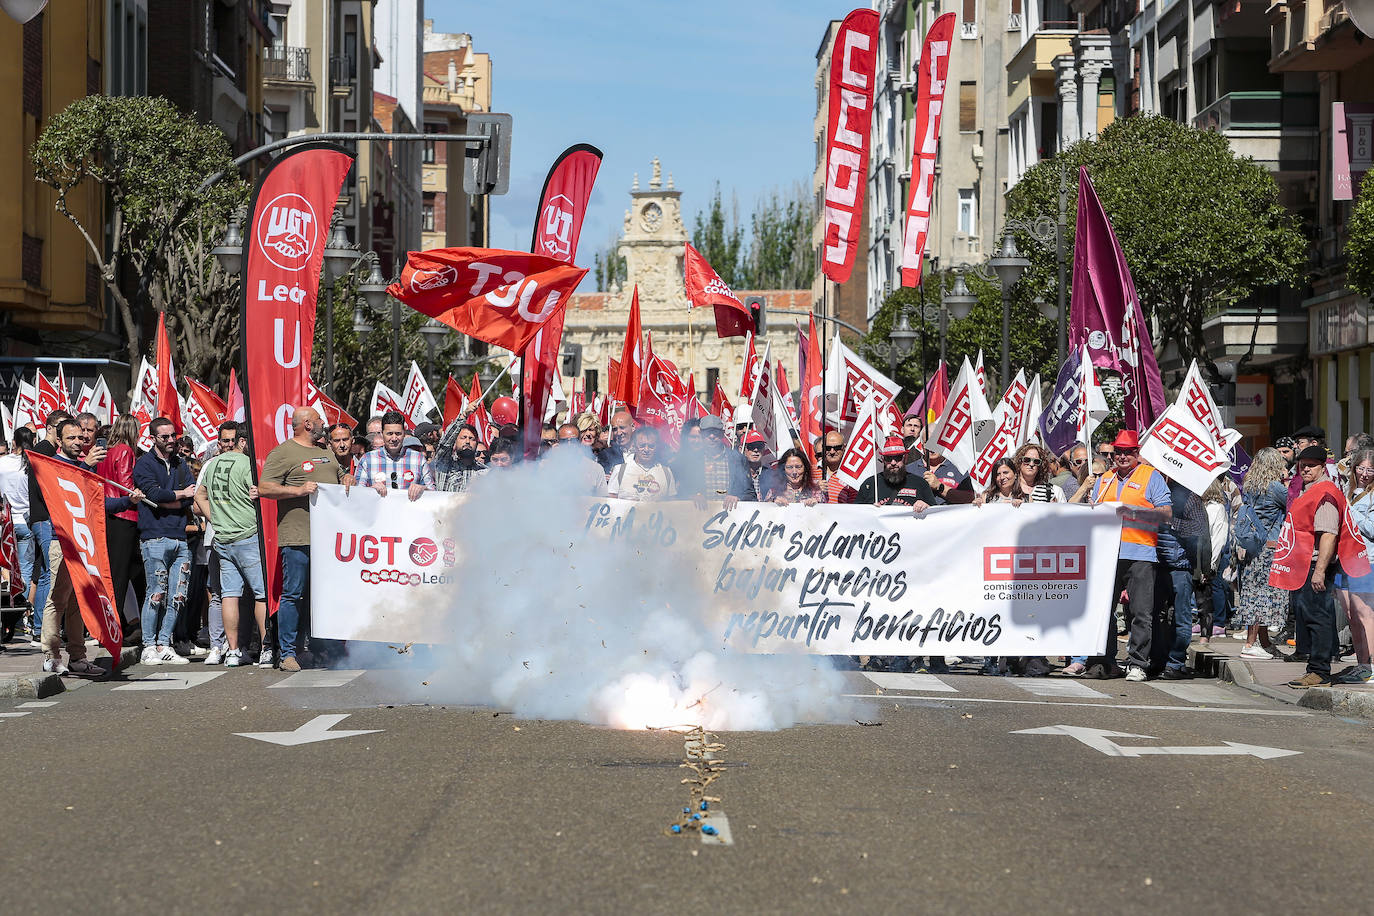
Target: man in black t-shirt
{"points": [[894, 486]]}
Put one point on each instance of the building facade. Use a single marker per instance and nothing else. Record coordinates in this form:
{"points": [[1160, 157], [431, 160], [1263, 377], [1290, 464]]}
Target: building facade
{"points": [[457, 81], [653, 245]]}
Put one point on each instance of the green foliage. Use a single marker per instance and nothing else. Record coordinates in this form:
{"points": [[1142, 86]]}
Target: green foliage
{"points": [[609, 269], [1359, 248], [150, 162], [720, 241], [1201, 227], [777, 253]]}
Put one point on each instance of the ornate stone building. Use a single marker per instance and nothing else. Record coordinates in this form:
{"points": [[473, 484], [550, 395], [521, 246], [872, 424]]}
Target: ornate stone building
{"points": [[652, 244]]}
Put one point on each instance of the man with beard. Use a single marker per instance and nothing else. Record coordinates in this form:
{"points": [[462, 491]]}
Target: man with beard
{"points": [[455, 463], [895, 486]]}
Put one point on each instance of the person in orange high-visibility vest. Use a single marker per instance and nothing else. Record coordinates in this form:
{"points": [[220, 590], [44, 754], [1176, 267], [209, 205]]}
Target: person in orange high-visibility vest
{"points": [[1141, 497]]}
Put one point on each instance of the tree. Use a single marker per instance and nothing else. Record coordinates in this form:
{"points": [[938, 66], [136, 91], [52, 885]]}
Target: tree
{"points": [[150, 161], [780, 255], [1359, 248], [1201, 227], [720, 240], [609, 268]]}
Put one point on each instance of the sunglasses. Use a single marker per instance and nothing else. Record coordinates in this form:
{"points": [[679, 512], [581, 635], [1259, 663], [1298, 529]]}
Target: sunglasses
{"points": [[164, 438], [1034, 461], [1126, 452], [834, 448], [1078, 462], [754, 447]]}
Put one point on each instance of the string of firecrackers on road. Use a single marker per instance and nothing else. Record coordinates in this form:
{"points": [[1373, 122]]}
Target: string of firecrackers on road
{"points": [[703, 757]]}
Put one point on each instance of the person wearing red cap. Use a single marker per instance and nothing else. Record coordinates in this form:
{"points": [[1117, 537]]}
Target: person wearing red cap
{"points": [[763, 479], [1142, 499], [894, 486]]}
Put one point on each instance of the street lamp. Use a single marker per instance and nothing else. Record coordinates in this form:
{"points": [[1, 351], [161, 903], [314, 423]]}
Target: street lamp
{"points": [[229, 251], [434, 332], [1008, 265], [899, 341], [339, 257], [957, 302]]}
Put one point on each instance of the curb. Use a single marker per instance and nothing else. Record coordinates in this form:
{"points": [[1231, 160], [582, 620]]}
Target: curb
{"points": [[34, 686], [1327, 699]]}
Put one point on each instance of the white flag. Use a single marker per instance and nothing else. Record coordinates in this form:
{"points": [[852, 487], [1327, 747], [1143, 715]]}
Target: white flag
{"points": [[7, 420], [1092, 403], [861, 450], [144, 393], [419, 400], [384, 399], [83, 398], [1030, 417], [952, 435], [762, 414], [1006, 429], [1197, 398], [1181, 446], [849, 380]]}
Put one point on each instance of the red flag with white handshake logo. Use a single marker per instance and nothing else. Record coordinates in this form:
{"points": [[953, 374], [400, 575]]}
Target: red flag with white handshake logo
{"points": [[502, 297], [76, 502]]}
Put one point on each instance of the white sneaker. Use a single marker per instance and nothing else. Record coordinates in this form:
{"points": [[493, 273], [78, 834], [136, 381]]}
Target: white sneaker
{"points": [[150, 656], [168, 656], [1134, 673], [1239, 634], [232, 659], [1256, 651], [199, 651], [265, 659], [216, 656], [54, 666]]}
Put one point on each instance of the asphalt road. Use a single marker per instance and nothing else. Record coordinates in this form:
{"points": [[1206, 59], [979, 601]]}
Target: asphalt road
{"points": [[148, 800]]}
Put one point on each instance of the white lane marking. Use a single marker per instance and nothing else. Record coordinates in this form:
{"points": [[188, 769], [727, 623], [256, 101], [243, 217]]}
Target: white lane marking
{"points": [[12, 715], [317, 729], [1198, 693], [1100, 740], [922, 683], [718, 820], [1246, 711], [317, 678], [38, 705], [1060, 688], [169, 681]]}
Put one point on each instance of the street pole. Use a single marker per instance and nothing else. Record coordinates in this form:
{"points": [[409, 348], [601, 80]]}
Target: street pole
{"points": [[329, 339], [1059, 261], [395, 344], [1006, 336]]}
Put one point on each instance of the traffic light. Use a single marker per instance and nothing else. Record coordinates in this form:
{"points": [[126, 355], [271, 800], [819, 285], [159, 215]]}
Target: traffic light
{"points": [[571, 354], [487, 169], [757, 306]]}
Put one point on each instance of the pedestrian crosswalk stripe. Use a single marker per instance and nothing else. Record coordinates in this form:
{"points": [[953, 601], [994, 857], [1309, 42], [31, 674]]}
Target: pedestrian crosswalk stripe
{"points": [[922, 683], [40, 705], [322, 677], [12, 715], [1198, 693], [169, 681], [1059, 688]]}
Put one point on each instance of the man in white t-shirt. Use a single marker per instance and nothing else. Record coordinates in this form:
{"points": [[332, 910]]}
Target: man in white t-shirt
{"points": [[643, 477]]}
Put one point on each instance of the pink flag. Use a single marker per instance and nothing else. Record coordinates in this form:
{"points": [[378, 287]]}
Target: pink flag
{"points": [[1105, 313], [234, 404]]}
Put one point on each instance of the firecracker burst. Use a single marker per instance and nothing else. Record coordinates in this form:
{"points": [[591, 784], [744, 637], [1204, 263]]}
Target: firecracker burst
{"points": [[702, 755]]}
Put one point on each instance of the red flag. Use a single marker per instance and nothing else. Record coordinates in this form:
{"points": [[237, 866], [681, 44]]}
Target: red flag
{"points": [[502, 297], [453, 401], [577, 402], [721, 407], [930, 100], [694, 409], [168, 401], [282, 256], [627, 380], [705, 287], [76, 501], [930, 403], [751, 369], [9, 548], [233, 408], [205, 411], [48, 399], [214, 408], [333, 413], [853, 59], [812, 394], [563, 203]]}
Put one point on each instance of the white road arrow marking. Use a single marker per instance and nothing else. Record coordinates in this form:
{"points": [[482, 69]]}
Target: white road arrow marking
{"points": [[317, 729], [1100, 740]]}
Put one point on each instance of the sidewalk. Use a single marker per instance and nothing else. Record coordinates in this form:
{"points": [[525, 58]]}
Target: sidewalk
{"points": [[1222, 659], [21, 673]]}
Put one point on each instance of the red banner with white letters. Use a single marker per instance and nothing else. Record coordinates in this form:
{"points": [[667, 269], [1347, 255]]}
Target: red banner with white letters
{"points": [[283, 251], [502, 297], [705, 287], [853, 59], [76, 501], [930, 100]]}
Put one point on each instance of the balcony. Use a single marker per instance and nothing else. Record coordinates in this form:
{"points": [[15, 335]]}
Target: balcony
{"points": [[342, 72], [1276, 129], [1314, 35], [286, 66]]}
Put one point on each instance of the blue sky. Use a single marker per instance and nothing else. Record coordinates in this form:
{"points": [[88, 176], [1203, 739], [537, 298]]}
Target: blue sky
{"points": [[718, 91]]}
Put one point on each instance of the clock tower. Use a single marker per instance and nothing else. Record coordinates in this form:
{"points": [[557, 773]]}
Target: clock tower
{"points": [[652, 246]]}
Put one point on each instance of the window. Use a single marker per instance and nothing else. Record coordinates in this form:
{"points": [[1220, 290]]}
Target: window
{"points": [[427, 216], [590, 381], [968, 106], [970, 13], [968, 212], [712, 379]]}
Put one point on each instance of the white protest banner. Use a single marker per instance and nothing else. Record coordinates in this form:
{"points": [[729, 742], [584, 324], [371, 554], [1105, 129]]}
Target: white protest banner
{"points": [[836, 580]]}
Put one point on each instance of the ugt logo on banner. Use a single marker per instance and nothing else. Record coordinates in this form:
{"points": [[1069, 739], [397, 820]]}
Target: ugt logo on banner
{"points": [[288, 231]]}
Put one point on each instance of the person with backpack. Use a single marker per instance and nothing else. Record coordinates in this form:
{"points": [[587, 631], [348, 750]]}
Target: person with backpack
{"points": [[1264, 502]]}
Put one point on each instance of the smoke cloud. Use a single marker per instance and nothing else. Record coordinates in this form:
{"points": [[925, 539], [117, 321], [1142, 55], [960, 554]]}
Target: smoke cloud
{"points": [[551, 621]]}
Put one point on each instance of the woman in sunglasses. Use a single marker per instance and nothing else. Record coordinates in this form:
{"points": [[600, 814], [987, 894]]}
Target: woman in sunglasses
{"points": [[1033, 475]]}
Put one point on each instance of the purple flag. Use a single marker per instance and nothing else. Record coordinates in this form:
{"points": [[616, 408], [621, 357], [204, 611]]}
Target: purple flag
{"points": [[1105, 311], [1240, 464], [1058, 421]]}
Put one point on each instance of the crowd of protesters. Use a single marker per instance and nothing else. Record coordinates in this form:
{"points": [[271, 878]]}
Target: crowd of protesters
{"points": [[183, 535]]}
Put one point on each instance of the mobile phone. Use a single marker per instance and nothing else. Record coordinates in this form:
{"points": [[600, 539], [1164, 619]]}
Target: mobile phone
{"points": [[100, 442]]}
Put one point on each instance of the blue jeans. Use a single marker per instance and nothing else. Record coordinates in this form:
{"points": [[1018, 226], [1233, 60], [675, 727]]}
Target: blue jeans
{"points": [[295, 584], [167, 568], [1183, 616], [42, 573]]}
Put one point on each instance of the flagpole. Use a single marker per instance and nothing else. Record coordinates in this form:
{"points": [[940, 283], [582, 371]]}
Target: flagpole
{"points": [[825, 395], [499, 376], [691, 343]]}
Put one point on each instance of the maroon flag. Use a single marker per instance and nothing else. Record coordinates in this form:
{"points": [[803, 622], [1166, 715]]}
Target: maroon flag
{"points": [[9, 548], [705, 287], [1105, 313], [282, 256], [930, 100], [562, 207], [853, 59]]}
